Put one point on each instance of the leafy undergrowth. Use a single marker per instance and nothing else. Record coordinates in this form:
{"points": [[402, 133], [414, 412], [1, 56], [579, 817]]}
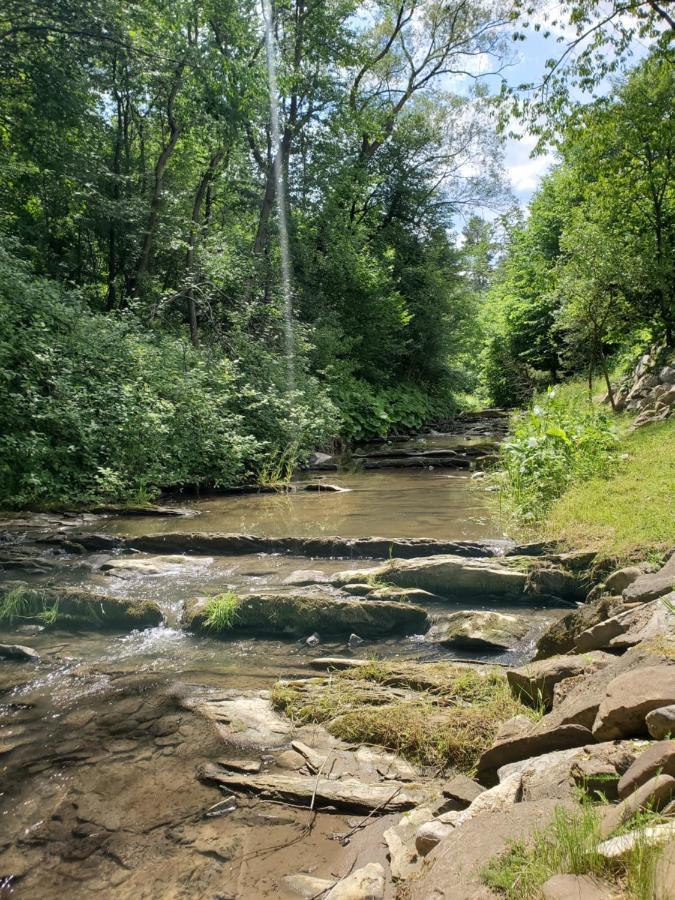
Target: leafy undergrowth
{"points": [[569, 846], [571, 473], [434, 714], [631, 514], [562, 439]]}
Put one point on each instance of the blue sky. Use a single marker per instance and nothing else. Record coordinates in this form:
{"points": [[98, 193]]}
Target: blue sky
{"points": [[529, 61]]}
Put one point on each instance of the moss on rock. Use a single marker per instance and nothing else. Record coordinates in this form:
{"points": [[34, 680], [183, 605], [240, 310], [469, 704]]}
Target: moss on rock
{"points": [[76, 608], [293, 615]]}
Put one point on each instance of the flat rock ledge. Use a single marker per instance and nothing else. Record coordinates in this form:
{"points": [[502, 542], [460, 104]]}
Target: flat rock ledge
{"points": [[283, 614], [348, 793], [224, 544]]}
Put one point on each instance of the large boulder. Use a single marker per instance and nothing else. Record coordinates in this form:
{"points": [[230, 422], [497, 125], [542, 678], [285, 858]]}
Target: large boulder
{"points": [[537, 743], [451, 576], [593, 769], [18, 653], [628, 628], [483, 630], [454, 868], [534, 683], [659, 758], [651, 586], [286, 614], [628, 699], [653, 795], [620, 579], [561, 636]]}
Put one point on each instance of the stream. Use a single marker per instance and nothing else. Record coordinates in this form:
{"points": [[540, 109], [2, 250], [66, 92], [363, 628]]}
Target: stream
{"points": [[98, 748]]}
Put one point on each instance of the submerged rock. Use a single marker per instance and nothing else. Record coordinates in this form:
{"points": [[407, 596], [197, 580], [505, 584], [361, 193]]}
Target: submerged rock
{"points": [[337, 662], [483, 630], [221, 543], [307, 886], [282, 614], [18, 653]]}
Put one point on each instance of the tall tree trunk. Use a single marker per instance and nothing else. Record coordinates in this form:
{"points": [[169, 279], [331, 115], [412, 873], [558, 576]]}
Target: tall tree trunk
{"points": [[610, 392], [167, 151], [116, 160], [201, 192]]}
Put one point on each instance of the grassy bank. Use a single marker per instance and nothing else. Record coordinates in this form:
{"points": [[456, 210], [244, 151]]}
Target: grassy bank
{"points": [[572, 472], [632, 512]]}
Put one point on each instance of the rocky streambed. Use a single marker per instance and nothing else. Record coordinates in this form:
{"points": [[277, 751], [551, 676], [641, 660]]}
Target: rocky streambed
{"points": [[192, 710]]}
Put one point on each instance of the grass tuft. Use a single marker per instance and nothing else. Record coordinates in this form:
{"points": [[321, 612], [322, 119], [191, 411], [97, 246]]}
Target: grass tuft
{"points": [[221, 611], [568, 847], [22, 603]]}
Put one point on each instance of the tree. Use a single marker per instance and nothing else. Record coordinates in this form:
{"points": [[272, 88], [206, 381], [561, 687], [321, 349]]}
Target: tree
{"points": [[595, 40], [589, 281]]}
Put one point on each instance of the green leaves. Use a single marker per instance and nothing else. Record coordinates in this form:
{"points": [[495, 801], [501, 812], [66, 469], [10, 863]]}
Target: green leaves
{"points": [[558, 440]]}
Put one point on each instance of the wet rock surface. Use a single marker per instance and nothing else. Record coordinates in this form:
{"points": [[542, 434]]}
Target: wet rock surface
{"points": [[295, 615], [483, 630]]}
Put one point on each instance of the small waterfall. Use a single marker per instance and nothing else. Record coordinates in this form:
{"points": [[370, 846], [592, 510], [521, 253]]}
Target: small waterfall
{"points": [[280, 193]]}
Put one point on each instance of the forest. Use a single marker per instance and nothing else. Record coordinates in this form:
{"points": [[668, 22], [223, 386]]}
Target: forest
{"points": [[152, 335]]}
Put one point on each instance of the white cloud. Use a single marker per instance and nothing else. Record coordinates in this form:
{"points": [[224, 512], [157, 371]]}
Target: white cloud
{"points": [[524, 171]]}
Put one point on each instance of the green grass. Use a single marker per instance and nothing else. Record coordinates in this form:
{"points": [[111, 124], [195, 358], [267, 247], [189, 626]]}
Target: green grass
{"points": [[221, 611], [434, 714], [568, 846], [24, 604], [631, 514]]}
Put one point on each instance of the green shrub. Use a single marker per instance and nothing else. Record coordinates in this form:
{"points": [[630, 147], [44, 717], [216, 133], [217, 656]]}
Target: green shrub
{"points": [[569, 846], [369, 412], [96, 406], [558, 440]]}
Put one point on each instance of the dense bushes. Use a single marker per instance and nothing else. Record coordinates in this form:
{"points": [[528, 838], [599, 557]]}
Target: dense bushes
{"points": [[369, 412], [94, 406], [560, 439]]}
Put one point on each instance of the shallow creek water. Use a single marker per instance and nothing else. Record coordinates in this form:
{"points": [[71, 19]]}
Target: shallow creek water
{"points": [[97, 757]]}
